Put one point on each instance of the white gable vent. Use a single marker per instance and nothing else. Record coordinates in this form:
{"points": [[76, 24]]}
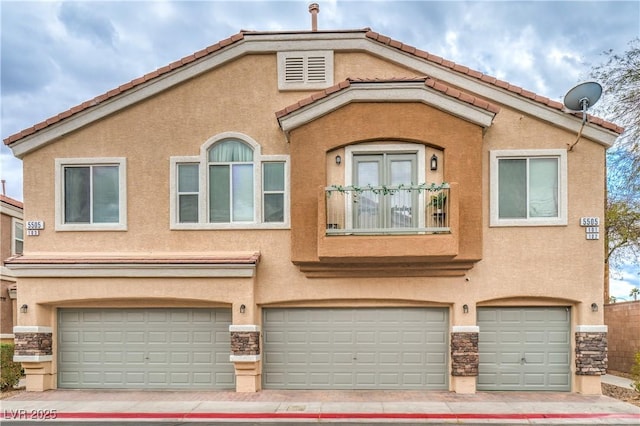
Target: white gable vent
{"points": [[305, 70]]}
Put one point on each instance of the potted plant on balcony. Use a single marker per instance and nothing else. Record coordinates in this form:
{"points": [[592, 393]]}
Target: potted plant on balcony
{"points": [[438, 201]]}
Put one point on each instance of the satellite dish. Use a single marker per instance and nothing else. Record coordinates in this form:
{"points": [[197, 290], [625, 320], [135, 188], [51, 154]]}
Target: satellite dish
{"points": [[583, 96], [580, 98]]}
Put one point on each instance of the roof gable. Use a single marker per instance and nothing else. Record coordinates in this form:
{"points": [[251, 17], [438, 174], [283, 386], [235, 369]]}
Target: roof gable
{"points": [[247, 42], [425, 90]]}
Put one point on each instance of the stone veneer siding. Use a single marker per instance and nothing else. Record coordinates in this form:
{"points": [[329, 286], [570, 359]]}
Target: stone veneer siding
{"points": [[464, 354], [33, 344], [245, 342], [591, 353]]}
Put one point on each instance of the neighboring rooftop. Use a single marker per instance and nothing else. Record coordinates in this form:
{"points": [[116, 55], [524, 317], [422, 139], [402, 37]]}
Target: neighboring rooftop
{"points": [[11, 201]]}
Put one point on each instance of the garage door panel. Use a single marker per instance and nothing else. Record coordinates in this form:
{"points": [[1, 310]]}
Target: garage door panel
{"points": [[559, 337], [366, 348], [559, 358], [144, 348], [533, 352]]}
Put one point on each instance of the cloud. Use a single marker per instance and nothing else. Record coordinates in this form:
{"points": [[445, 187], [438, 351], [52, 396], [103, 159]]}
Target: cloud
{"points": [[85, 21]]}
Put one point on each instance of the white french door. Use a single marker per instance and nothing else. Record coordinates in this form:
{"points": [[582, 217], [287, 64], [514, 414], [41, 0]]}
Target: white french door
{"points": [[380, 204]]}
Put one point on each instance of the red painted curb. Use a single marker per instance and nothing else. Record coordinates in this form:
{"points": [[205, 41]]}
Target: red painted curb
{"points": [[417, 416]]}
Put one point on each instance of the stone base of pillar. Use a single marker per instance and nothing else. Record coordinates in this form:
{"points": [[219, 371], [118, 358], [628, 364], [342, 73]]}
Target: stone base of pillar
{"points": [[463, 384], [39, 376], [248, 376], [588, 385]]}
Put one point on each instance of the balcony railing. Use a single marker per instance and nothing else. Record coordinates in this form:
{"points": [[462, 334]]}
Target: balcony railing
{"points": [[374, 210]]}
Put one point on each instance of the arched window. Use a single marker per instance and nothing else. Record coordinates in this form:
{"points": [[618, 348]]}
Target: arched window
{"points": [[229, 185], [231, 171]]}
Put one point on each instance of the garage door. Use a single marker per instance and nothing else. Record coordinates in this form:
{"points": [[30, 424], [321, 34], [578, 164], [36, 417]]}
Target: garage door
{"points": [[144, 348], [365, 348], [524, 349]]}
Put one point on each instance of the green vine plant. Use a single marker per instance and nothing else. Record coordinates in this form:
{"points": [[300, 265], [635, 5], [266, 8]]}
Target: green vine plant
{"points": [[388, 190]]}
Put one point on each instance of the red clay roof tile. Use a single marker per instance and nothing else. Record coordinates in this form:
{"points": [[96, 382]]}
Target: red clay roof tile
{"points": [[11, 201], [430, 82]]}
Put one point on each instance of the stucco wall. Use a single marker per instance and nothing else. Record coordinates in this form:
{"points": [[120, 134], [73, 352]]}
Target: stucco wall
{"points": [[623, 321], [519, 266], [545, 264]]}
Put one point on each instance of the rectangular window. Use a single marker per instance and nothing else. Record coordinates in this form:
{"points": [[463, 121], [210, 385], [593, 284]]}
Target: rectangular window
{"points": [[528, 188], [231, 192], [90, 194], [18, 237], [188, 193], [273, 192]]}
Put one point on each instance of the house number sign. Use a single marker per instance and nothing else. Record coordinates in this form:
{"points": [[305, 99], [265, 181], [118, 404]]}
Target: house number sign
{"points": [[34, 227], [591, 227]]}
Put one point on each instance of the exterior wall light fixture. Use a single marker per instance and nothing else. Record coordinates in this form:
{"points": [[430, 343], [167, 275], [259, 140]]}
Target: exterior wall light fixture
{"points": [[243, 309], [24, 308], [465, 309], [594, 307], [338, 160], [434, 162]]}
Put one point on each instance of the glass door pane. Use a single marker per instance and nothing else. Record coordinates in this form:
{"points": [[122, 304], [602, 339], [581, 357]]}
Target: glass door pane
{"points": [[367, 208], [402, 204]]}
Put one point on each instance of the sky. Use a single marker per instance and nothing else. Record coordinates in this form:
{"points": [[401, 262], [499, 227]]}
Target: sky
{"points": [[58, 54]]}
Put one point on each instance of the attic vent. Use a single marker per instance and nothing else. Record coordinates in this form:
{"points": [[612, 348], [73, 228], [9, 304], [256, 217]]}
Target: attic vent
{"points": [[305, 70], [316, 69]]}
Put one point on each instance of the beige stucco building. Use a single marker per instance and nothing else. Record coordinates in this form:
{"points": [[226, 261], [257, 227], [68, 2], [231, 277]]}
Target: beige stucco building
{"points": [[11, 243], [313, 210]]}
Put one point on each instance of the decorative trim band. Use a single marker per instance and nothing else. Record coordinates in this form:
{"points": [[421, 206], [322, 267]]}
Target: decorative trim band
{"points": [[32, 329], [243, 328], [244, 358], [32, 358], [465, 329], [591, 328], [7, 336]]}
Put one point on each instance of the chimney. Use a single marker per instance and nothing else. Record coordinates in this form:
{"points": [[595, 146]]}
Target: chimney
{"points": [[314, 9], [3, 187]]}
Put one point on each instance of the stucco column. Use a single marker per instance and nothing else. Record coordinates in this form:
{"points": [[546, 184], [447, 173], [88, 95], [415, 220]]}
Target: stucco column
{"points": [[246, 357], [33, 348]]}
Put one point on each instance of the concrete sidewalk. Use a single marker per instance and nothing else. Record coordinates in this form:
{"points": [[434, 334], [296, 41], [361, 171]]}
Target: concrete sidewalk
{"points": [[336, 407], [616, 380]]}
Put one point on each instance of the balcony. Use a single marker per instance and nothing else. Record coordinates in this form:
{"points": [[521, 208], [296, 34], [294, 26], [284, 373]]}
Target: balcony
{"points": [[388, 225], [382, 210]]}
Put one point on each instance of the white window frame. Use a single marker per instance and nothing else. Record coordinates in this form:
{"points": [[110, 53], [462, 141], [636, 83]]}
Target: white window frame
{"points": [[203, 187], [306, 84], [61, 163], [496, 155], [378, 148], [14, 237]]}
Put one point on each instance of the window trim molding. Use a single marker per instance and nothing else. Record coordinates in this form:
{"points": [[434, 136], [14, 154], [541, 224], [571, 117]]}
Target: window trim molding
{"points": [[60, 163], [378, 148], [561, 219], [203, 192]]}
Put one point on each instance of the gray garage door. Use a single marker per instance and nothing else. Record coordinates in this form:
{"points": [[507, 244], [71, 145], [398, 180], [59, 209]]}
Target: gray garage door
{"points": [[524, 349], [364, 348], [144, 348]]}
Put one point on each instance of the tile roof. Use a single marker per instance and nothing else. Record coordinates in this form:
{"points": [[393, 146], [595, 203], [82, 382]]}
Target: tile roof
{"points": [[11, 201], [241, 35], [429, 82], [486, 78]]}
